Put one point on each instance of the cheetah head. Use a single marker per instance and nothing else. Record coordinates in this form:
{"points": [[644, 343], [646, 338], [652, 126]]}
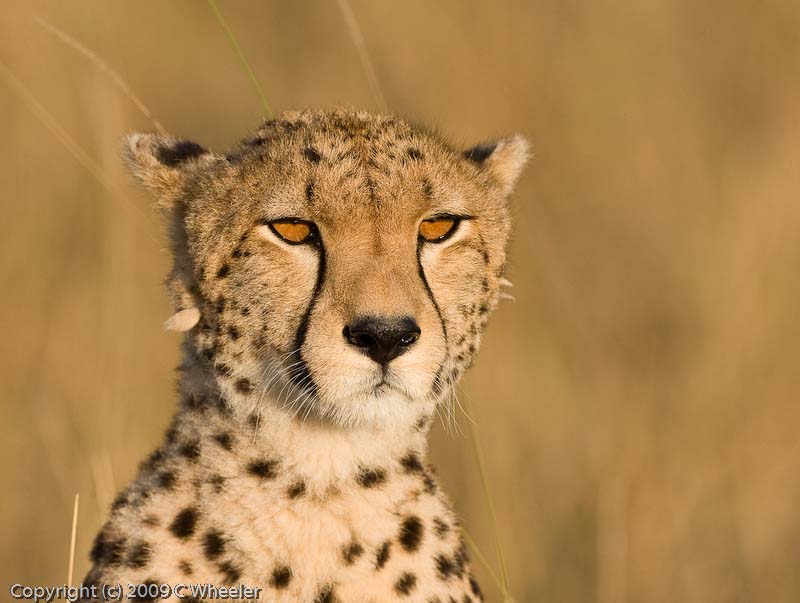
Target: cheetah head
{"points": [[339, 264]]}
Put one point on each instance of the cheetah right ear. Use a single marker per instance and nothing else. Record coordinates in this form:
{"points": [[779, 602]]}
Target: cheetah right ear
{"points": [[503, 160], [163, 163]]}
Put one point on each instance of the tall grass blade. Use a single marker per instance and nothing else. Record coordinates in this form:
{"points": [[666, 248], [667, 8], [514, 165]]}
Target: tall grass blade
{"points": [[218, 14], [361, 47], [73, 538], [55, 128], [476, 448], [485, 563], [115, 77], [69, 143]]}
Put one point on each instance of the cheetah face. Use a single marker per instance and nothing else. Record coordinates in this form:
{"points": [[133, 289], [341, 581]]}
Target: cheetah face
{"points": [[343, 265]]}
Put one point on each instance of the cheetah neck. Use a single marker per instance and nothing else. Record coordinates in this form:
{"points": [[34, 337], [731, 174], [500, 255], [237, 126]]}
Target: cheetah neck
{"points": [[323, 454]]}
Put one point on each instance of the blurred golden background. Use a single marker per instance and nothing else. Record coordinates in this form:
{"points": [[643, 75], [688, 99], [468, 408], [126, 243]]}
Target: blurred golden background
{"points": [[636, 406]]}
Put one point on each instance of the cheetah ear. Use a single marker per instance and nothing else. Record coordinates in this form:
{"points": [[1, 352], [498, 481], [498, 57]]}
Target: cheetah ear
{"points": [[163, 163], [503, 159]]}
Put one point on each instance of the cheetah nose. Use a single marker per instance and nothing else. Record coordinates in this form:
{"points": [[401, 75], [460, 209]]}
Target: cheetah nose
{"points": [[382, 339]]}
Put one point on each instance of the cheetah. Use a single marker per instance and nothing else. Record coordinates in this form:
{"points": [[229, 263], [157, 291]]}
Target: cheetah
{"points": [[332, 275]]}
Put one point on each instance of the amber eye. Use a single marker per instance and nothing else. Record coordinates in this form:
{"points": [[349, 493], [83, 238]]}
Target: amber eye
{"points": [[437, 230], [293, 231]]}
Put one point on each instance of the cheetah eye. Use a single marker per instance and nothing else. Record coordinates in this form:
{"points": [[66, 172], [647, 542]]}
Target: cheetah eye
{"points": [[436, 230], [293, 231]]}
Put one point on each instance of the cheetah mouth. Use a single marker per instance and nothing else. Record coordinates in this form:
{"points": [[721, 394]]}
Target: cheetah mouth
{"points": [[382, 388], [385, 384]]}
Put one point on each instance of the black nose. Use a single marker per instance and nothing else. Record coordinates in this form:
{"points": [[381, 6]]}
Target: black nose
{"points": [[382, 339]]}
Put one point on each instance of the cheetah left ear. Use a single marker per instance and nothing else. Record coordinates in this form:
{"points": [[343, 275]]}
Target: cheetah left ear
{"points": [[503, 160], [163, 163]]}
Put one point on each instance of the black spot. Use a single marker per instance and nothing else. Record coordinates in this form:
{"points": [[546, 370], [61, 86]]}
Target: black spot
{"points": [[430, 483], [224, 439], [476, 589], [411, 532], [222, 405], [414, 153], [252, 420], [186, 567], [297, 489], [265, 469], [224, 370], [445, 567], [213, 544], [217, 481], [369, 478], [405, 583], [480, 153], [107, 551], [411, 462], [244, 386], [461, 559], [179, 152], [152, 461], [281, 576], [223, 271], [256, 141], [138, 555], [184, 523], [120, 501], [326, 595], [310, 191], [351, 552], [166, 480], [440, 527], [230, 572], [427, 187], [245, 311], [113, 552], [242, 253], [312, 154], [422, 422], [171, 435], [233, 332], [383, 555], [190, 450]]}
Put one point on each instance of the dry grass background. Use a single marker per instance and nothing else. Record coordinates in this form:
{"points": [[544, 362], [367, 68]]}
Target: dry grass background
{"points": [[637, 405]]}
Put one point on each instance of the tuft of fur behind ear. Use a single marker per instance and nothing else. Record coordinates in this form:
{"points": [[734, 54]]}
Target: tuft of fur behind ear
{"points": [[162, 163], [503, 160]]}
